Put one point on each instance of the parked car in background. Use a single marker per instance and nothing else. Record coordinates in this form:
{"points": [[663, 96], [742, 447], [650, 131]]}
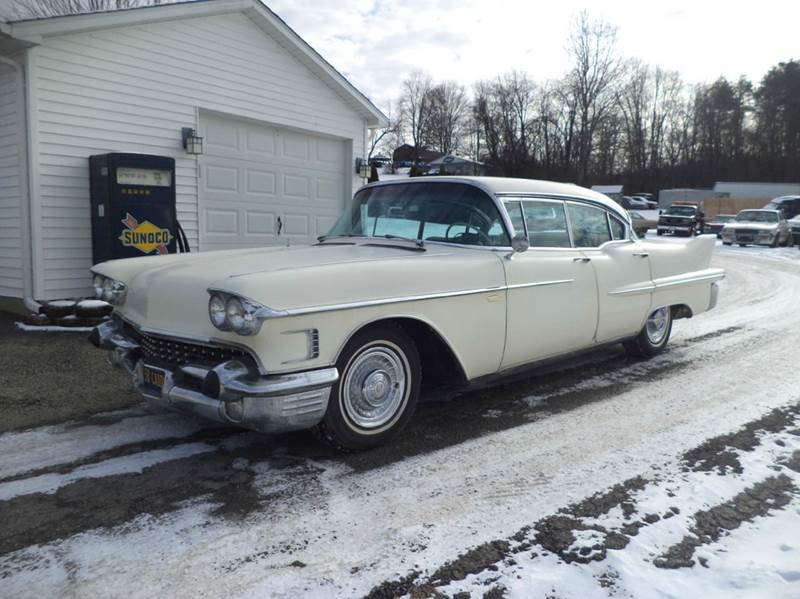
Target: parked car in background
{"points": [[631, 203], [717, 222], [640, 223], [421, 283], [794, 225], [788, 205], [758, 227], [648, 198], [682, 218]]}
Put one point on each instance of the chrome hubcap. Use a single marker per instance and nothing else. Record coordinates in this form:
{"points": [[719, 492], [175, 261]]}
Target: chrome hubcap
{"points": [[374, 387], [657, 324]]}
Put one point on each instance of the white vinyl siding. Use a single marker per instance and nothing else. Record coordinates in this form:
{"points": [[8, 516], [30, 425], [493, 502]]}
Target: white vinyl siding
{"points": [[12, 158], [131, 90]]}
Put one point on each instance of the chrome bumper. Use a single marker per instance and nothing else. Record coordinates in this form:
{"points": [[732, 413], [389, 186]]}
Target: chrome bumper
{"points": [[232, 392]]}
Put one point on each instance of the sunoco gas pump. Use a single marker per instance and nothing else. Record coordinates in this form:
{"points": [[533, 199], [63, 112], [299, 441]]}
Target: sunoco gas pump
{"points": [[133, 206]]}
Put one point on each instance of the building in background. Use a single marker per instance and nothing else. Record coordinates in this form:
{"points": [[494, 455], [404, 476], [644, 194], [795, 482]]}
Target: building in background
{"points": [[281, 128]]}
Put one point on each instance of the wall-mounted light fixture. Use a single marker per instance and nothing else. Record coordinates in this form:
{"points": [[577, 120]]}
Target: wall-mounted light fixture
{"points": [[191, 142], [362, 168]]}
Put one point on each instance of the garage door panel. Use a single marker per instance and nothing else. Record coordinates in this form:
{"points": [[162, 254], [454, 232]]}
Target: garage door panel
{"points": [[260, 141], [296, 187], [260, 223], [222, 221], [220, 137], [222, 178], [260, 182], [254, 174]]}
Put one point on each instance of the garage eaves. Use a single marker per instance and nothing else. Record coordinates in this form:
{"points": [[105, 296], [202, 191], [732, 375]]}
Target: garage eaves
{"points": [[34, 31]]}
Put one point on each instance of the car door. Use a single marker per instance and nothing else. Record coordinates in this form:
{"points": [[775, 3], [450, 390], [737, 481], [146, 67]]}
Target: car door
{"points": [[552, 294], [620, 265]]}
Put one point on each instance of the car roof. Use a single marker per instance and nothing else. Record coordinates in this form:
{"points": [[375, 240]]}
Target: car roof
{"points": [[512, 186], [759, 210], [785, 199]]}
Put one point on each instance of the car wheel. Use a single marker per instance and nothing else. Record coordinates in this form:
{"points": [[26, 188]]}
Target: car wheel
{"points": [[659, 233], [653, 337], [775, 241], [742, 245], [377, 391], [727, 243]]}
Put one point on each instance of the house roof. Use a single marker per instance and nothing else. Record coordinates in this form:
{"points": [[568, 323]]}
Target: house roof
{"points": [[34, 31]]}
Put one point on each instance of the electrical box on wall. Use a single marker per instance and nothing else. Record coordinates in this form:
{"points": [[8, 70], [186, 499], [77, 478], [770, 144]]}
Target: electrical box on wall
{"points": [[133, 205]]}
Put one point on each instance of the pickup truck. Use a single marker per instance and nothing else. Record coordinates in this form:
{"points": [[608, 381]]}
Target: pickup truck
{"points": [[681, 219]]}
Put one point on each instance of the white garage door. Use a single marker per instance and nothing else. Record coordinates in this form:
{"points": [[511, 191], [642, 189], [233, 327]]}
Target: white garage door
{"points": [[267, 185]]}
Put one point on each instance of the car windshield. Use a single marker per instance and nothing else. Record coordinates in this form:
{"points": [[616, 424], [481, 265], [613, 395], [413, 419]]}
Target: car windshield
{"points": [[441, 211], [681, 210], [756, 216]]}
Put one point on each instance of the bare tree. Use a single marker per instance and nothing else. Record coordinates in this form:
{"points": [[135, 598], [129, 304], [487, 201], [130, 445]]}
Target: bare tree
{"points": [[449, 112], [386, 137], [592, 46], [504, 109], [415, 110]]}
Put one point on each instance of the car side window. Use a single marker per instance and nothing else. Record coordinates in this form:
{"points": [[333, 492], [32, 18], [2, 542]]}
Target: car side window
{"points": [[547, 223], [514, 209], [589, 225], [617, 227]]}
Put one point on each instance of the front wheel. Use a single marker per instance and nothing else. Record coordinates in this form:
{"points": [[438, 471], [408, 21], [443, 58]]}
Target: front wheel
{"points": [[377, 391], [653, 337]]}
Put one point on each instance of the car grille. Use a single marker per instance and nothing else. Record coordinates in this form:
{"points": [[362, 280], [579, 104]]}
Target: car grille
{"points": [[676, 221], [177, 353], [745, 235], [796, 230]]}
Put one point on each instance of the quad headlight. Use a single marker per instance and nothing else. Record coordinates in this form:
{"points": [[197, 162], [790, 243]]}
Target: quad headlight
{"points": [[109, 290], [233, 313]]}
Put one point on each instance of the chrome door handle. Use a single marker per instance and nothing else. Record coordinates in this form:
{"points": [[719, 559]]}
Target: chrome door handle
{"points": [[642, 254], [280, 225], [582, 259]]}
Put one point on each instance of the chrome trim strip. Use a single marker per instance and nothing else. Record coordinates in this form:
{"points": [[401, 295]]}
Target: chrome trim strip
{"points": [[540, 284], [382, 302], [634, 290], [716, 276], [268, 313], [697, 279]]}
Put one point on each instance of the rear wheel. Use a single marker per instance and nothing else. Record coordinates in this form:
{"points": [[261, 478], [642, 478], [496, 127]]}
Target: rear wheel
{"points": [[377, 392], [775, 241], [727, 243], [653, 337]]}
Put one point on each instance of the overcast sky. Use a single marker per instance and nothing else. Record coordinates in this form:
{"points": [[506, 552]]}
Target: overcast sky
{"points": [[377, 43]]}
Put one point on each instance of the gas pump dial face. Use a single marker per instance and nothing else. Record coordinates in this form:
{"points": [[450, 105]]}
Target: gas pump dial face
{"points": [[142, 176]]}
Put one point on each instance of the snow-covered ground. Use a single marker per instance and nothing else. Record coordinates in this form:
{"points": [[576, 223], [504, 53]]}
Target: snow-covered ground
{"points": [[142, 505]]}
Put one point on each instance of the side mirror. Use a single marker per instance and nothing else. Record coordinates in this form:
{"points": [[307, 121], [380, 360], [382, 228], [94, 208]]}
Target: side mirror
{"points": [[660, 211], [520, 243], [702, 214]]}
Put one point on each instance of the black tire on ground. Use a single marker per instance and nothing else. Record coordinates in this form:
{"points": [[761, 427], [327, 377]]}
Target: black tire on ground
{"points": [[742, 245], [339, 427], [642, 346], [727, 243], [776, 241], [659, 233]]}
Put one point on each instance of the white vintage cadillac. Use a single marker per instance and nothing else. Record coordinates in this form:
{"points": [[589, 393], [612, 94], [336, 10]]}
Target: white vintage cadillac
{"points": [[421, 282]]}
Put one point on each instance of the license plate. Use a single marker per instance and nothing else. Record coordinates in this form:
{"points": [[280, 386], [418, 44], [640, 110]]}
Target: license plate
{"points": [[153, 377]]}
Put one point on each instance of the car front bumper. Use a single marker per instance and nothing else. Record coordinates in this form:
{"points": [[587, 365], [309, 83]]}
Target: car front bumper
{"points": [[675, 228], [232, 392]]}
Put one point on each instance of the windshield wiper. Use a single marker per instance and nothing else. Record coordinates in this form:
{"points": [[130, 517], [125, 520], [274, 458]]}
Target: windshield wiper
{"points": [[322, 238], [419, 242]]}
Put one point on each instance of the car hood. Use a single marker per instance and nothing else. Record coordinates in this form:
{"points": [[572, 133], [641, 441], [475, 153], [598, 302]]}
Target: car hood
{"points": [[168, 294], [746, 226]]}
